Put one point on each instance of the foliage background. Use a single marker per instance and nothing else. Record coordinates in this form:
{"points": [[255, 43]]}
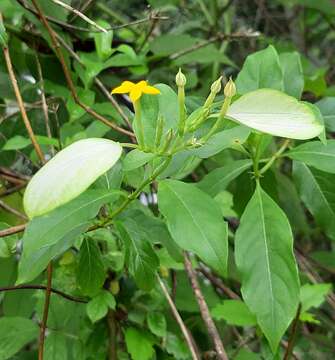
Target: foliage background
{"points": [[206, 39]]}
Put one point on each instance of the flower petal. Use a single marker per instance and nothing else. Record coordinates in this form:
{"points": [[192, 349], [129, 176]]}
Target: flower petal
{"points": [[150, 90], [124, 88], [135, 93]]}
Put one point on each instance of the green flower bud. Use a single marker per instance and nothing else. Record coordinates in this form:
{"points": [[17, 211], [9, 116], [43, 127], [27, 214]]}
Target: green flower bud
{"points": [[180, 79], [230, 88], [216, 86]]}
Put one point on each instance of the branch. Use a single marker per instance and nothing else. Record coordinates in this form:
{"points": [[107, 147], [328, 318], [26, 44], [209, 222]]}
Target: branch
{"points": [[82, 29], [45, 313], [81, 15], [12, 230], [111, 321], [43, 287], [97, 81], [21, 104], [221, 37], [205, 314], [15, 212], [68, 78], [218, 283], [291, 340], [179, 320]]}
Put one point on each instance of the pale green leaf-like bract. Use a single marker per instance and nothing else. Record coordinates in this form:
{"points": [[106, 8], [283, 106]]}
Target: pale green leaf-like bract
{"points": [[69, 174], [273, 112]]}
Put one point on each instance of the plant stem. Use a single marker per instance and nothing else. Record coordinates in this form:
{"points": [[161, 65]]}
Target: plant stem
{"points": [[179, 320], [45, 312], [21, 105], [12, 230], [205, 314], [275, 156], [43, 287], [291, 340], [112, 351], [139, 124]]}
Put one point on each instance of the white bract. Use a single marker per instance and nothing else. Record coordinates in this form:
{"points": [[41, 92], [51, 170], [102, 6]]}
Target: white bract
{"points": [[69, 174], [273, 112]]}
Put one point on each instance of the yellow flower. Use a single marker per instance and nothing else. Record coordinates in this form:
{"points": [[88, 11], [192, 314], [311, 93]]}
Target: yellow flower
{"points": [[135, 90]]}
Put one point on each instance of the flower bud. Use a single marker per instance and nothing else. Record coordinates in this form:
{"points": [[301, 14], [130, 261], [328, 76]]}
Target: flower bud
{"points": [[230, 88], [216, 86], [180, 79]]}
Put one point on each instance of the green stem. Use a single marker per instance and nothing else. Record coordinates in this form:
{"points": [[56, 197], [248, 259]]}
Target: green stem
{"points": [[275, 156], [139, 124], [218, 122], [182, 114], [256, 156], [137, 192]]}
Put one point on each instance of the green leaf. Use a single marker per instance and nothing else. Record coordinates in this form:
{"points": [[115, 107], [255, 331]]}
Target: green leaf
{"points": [[141, 259], [218, 179], [69, 174], [195, 222], [260, 70], [47, 236], [139, 344], [316, 154], [164, 104], [265, 260], [222, 140], [91, 271], [273, 112], [97, 308], [313, 295], [316, 190], [136, 158], [157, 323], [235, 312], [293, 74], [86, 96], [17, 142], [103, 41], [3, 34], [327, 108], [177, 347], [56, 346], [15, 332], [245, 354]]}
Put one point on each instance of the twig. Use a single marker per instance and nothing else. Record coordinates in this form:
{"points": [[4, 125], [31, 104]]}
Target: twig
{"points": [[221, 37], [68, 76], [82, 9], [112, 350], [179, 320], [45, 313], [82, 29], [43, 287], [291, 340], [218, 283], [12, 190], [154, 21], [81, 15], [21, 104], [12, 230], [97, 81], [12, 210], [204, 311], [44, 102]]}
